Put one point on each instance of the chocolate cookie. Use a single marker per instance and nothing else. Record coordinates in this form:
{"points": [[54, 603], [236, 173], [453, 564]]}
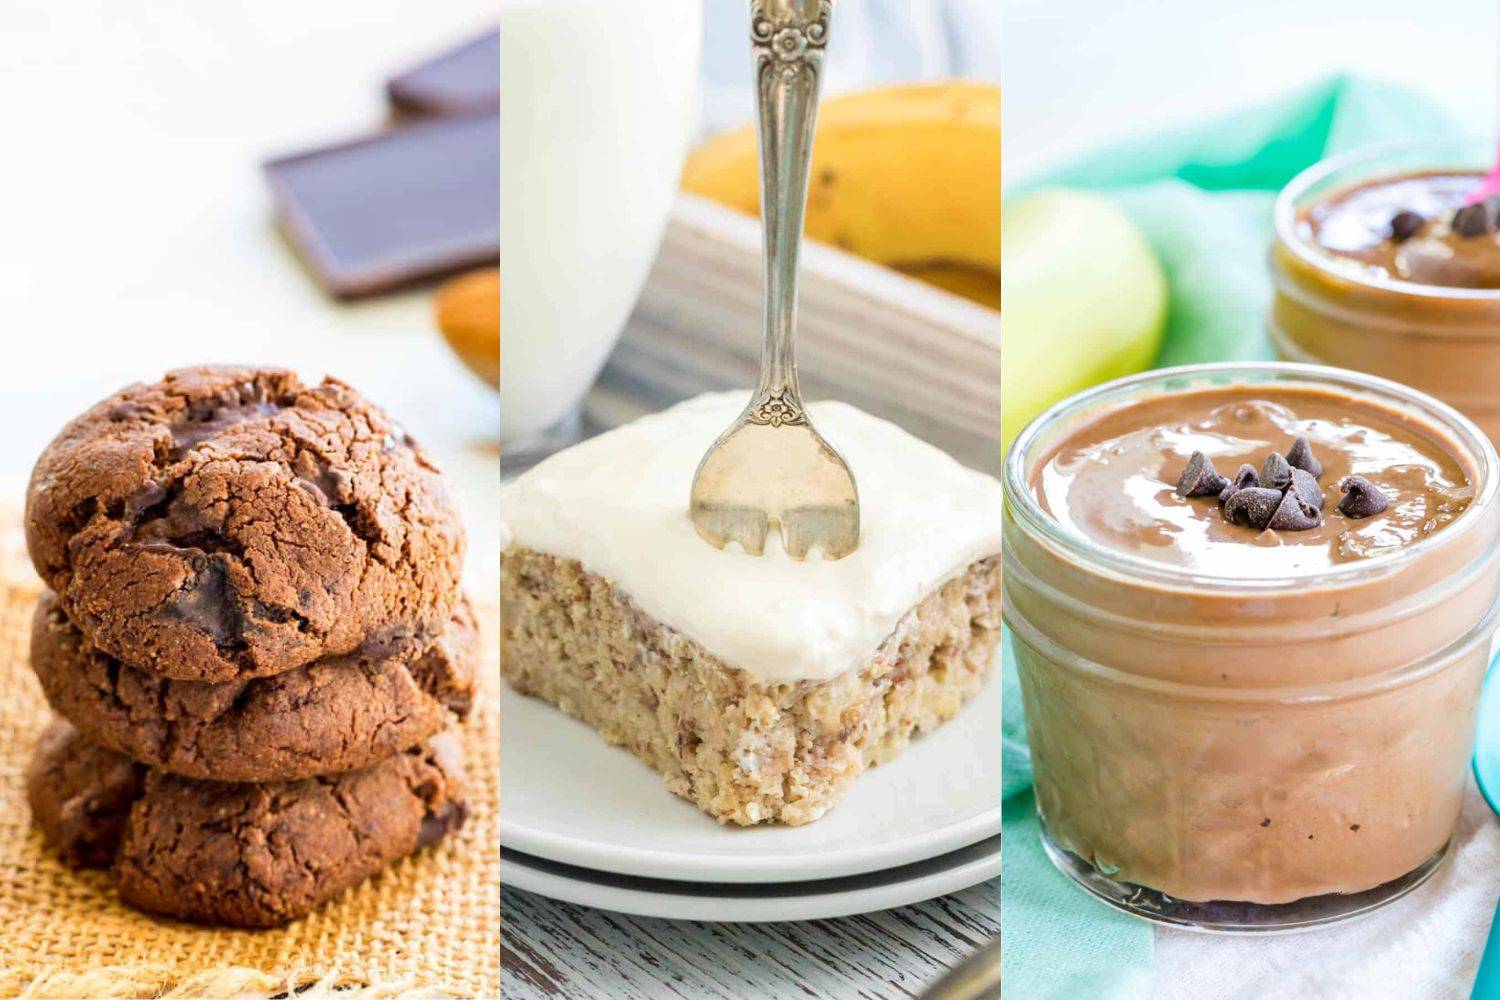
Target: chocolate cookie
{"points": [[81, 795], [230, 522], [334, 715], [238, 854]]}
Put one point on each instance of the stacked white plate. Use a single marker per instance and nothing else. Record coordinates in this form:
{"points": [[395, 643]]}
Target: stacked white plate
{"points": [[588, 823]]}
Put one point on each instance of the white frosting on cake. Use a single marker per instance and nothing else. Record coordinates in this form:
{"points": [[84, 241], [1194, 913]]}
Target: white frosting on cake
{"points": [[618, 504]]}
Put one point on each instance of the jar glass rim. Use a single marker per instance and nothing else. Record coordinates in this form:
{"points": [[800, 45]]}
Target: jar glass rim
{"points": [[1021, 503], [1441, 155]]}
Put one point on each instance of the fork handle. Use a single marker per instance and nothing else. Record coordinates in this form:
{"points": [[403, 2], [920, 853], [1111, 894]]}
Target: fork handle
{"points": [[788, 38]]}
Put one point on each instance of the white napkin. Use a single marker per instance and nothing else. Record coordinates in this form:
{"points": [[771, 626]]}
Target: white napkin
{"points": [[1426, 945]]}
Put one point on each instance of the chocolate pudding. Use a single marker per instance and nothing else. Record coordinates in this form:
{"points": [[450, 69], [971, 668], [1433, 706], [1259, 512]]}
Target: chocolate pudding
{"points": [[1416, 227], [1251, 608], [1390, 264], [1112, 481]]}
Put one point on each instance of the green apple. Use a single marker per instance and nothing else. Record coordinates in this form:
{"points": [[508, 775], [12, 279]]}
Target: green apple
{"points": [[1083, 300]]}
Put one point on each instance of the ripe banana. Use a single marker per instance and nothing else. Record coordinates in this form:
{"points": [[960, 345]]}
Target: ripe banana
{"points": [[467, 310], [906, 176]]}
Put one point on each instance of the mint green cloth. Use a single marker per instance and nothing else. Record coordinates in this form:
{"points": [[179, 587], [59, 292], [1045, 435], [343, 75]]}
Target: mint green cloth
{"points": [[1202, 194]]}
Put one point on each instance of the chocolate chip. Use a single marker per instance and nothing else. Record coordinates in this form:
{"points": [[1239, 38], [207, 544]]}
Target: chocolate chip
{"points": [[143, 502], [1306, 488], [437, 825], [1293, 514], [1482, 218], [206, 421], [328, 485], [1199, 478], [1362, 498], [1275, 474], [1491, 206], [1300, 456], [1245, 477], [1252, 505], [1405, 225], [1266, 821], [1472, 220]]}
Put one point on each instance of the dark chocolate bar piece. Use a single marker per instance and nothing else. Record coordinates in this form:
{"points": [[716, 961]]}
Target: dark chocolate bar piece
{"points": [[417, 202], [461, 81]]}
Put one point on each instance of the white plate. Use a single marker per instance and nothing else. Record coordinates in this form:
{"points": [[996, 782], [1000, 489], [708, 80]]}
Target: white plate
{"points": [[572, 798], [730, 903]]}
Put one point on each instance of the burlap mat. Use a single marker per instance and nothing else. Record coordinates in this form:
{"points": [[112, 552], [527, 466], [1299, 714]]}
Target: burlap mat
{"points": [[429, 926]]}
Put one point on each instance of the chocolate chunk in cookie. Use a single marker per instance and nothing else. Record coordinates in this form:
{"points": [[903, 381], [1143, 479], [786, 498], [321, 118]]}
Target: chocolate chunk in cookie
{"points": [[244, 855], [227, 523], [337, 714]]}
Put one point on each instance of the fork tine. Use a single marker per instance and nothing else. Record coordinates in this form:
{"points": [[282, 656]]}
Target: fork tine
{"points": [[757, 474], [833, 531], [721, 524]]}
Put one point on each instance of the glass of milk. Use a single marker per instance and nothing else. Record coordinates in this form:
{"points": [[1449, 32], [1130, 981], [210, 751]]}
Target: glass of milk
{"points": [[598, 99]]}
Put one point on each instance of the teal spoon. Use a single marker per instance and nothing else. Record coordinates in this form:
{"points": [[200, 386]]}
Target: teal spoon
{"points": [[1487, 774]]}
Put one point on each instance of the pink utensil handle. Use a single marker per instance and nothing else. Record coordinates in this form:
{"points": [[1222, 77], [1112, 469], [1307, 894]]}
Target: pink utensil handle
{"points": [[1491, 183]]}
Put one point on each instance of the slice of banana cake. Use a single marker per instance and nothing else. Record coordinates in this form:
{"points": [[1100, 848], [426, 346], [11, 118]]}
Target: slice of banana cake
{"points": [[759, 687]]}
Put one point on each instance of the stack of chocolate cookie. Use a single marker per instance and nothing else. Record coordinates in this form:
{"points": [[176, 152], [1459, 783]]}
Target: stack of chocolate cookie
{"points": [[256, 638]]}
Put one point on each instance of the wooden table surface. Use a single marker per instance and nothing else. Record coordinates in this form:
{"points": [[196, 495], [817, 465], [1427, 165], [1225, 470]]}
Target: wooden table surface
{"points": [[555, 949]]}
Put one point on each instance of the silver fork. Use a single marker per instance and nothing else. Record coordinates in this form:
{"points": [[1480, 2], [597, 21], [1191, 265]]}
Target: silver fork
{"points": [[771, 464]]}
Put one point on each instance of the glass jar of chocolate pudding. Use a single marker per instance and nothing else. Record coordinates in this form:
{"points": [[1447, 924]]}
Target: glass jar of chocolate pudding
{"points": [[1380, 266], [1251, 606]]}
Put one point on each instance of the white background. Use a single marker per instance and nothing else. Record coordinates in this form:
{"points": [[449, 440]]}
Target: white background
{"points": [[1080, 72], [135, 229], [1077, 72]]}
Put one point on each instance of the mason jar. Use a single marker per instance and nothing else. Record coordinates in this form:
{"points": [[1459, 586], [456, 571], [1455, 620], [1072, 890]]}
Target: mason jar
{"points": [[1249, 754], [1332, 311]]}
